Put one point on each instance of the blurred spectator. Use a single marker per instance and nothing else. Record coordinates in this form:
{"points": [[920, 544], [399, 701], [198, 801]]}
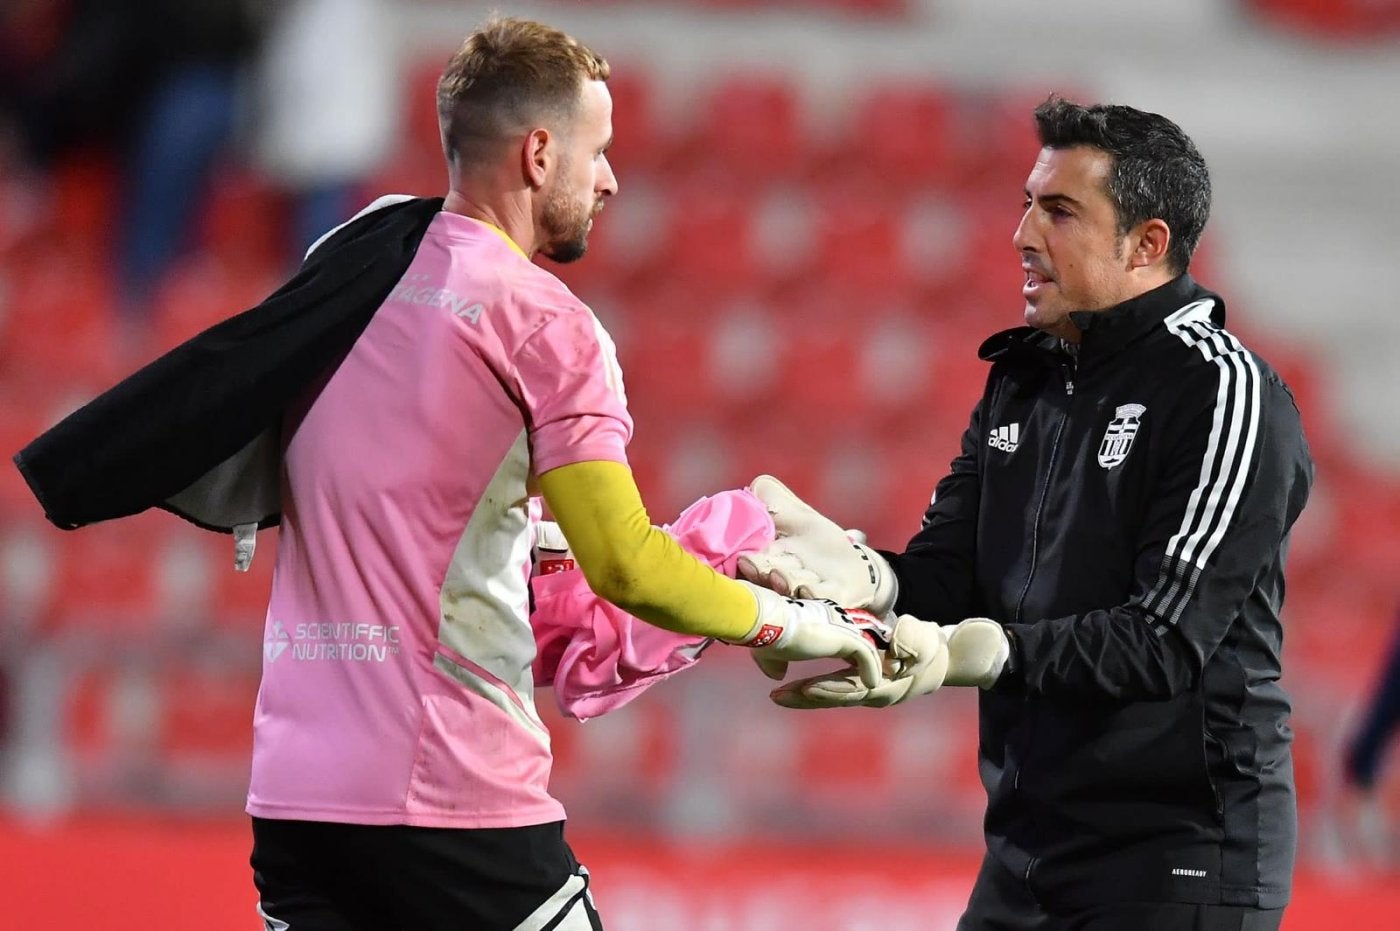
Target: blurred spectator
{"points": [[156, 82], [326, 88], [1366, 751]]}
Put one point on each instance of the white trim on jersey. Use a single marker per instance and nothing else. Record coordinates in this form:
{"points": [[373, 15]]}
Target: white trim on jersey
{"points": [[484, 599], [524, 715]]}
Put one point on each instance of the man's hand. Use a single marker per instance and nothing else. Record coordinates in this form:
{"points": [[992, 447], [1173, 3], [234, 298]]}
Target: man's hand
{"points": [[915, 664], [812, 557], [791, 629], [977, 652], [921, 658]]}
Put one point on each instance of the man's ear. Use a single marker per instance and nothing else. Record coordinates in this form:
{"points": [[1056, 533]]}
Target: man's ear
{"points": [[1148, 243], [537, 157]]}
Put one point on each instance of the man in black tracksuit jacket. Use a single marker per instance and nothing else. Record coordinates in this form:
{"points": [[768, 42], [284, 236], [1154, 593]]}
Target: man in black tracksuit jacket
{"points": [[1119, 511], [1130, 540]]}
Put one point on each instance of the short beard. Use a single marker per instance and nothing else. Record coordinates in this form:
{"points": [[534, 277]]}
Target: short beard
{"points": [[565, 221]]}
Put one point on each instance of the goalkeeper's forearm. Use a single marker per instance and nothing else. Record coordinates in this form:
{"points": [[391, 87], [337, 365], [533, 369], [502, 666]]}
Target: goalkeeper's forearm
{"points": [[636, 566]]}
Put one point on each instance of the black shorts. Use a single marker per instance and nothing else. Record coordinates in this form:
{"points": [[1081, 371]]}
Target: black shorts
{"points": [[320, 876], [1001, 902]]}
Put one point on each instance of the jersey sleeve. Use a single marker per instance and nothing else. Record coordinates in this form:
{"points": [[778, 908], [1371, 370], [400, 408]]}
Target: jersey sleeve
{"points": [[937, 568], [571, 387], [637, 566]]}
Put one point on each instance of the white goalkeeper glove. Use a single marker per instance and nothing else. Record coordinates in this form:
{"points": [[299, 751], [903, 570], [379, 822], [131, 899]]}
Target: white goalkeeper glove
{"points": [[812, 557], [977, 652], [921, 658], [790, 629]]}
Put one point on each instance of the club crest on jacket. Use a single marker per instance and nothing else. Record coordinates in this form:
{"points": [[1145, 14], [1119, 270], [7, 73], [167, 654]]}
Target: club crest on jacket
{"points": [[1118, 438]]}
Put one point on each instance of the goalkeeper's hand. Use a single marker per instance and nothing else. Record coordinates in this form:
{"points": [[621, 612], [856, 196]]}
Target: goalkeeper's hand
{"points": [[812, 557], [790, 629], [922, 657]]}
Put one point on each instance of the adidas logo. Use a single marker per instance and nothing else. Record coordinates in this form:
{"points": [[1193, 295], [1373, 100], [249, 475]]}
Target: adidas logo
{"points": [[1005, 438]]}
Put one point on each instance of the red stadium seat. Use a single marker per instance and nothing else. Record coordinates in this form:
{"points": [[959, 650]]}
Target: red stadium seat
{"points": [[665, 354], [206, 712], [830, 364], [748, 133], [419, 106], [24, 418], [204, 289], [706, 236], [107, 577], [85, 201], [238, 600], [1002, 141], [744, 355], [901, 133], [243, 221], [991, 267], [1345, 20], [59, 325], [641, 143], [859, 233], [841, 757]]}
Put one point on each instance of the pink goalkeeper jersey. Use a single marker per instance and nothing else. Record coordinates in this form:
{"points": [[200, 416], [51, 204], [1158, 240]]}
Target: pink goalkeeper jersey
{"points": [[397, 682]]}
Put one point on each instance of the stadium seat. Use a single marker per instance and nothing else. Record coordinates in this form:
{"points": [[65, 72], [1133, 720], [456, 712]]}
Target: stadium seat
{"points": [[243, 221], [27, 548], [24, 419], [991, 267], [641, 142], [206, 711], [59, 324], [833, 349], [237, 600], [85, 201], [664, 356], [748, 132], [107, 578], [705, 232], [419, 104], [744, 355], [859, 239], [204, 289], [841, 758], [1001, 140], [1333, 20], [902, 134]]}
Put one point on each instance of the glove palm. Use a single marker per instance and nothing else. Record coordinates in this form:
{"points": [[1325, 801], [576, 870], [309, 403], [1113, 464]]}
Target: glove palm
{"points": [[812, 557]]}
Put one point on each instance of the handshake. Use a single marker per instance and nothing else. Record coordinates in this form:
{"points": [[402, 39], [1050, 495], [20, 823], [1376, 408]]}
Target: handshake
{"points": [[821, 595]]}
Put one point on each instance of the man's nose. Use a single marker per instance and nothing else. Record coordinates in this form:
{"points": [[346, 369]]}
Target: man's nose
{"points": [[608, 179]]}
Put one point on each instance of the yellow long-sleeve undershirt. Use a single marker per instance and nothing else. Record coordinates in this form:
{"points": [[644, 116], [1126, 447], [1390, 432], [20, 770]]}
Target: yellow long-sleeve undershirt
{"points": [[634, 565]]}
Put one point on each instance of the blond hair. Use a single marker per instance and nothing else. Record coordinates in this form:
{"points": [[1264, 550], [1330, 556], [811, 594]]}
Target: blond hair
{"points": [[508, 77]]}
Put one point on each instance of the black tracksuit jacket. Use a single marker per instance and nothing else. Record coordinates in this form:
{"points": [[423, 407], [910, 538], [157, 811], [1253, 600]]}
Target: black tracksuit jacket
{"points": [[1124, 512]]}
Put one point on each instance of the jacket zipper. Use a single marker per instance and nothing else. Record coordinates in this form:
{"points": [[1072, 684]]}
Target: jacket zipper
{"points": [[1067, 369], [1068, 372]]}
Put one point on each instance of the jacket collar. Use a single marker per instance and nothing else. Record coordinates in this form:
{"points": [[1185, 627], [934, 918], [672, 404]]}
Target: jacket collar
{"points": [[1105, 331]]}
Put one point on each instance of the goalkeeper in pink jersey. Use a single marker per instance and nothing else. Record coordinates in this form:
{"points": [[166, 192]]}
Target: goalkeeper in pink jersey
{"points": [[400, 769]]}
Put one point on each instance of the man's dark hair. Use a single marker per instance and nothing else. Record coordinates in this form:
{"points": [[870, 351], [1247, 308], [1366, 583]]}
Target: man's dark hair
{"points": [[1157, 171]]}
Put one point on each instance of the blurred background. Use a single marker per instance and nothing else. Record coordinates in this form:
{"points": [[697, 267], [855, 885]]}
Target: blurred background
{"points": [[811, 239]]}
